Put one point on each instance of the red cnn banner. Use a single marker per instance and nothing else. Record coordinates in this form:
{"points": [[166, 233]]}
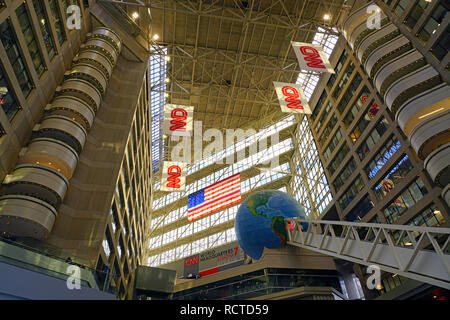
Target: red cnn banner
{"points": [[173, 177], [291, 98], [178, 120], [311, 57]]}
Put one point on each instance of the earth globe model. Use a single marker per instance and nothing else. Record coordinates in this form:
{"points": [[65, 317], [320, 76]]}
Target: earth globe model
{"points": [[260, 221]]}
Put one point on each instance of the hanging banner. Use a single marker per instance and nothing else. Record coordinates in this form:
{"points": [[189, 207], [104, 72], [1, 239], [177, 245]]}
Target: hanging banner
{"points": [[173, 176], [291, 98], [311, 57], [178, 120]]}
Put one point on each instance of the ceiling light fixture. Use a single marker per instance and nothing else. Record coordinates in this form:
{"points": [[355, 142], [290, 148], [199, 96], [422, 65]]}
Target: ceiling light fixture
{"points": [[326, 16], [155, 37], [134, 15]]}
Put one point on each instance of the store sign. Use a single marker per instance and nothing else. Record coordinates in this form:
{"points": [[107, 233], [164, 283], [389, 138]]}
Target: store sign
{"points": [[178, 120], [291, 98], [214, 260], [191, 266], [173, 176], [311, 57]]}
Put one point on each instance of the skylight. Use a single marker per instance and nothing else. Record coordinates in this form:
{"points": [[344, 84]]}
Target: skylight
{"points": [[157, 102], [308, 156], [327, 41]]}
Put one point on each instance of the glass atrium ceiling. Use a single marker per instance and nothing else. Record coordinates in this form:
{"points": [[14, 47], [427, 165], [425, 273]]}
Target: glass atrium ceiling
{"points": [[222, 58], [168, 243]]}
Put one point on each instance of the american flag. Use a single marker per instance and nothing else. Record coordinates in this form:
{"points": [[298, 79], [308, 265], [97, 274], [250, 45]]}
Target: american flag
{"points": [[217, 196]]}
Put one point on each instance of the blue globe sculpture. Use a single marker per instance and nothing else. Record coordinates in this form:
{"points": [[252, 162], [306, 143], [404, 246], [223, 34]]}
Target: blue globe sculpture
{"points": [[260, 221]]}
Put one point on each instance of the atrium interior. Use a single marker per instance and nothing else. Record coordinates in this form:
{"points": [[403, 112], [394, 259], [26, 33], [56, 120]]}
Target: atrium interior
{"points": [[145, 145]]}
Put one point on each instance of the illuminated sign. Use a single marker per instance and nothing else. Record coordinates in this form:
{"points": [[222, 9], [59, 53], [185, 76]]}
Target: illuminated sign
{"points": [[291, 98], [381, 160], [173, 177], [311, 57], [190, 261], [214, 260], [178, 120]]}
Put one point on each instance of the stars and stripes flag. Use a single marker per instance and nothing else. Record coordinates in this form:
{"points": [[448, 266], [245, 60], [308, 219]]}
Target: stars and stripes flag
{"points": [[217, 196]]}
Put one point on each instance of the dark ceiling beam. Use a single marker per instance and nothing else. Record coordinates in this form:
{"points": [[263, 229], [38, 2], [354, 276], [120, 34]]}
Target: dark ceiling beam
{"points": [[180, 8]]}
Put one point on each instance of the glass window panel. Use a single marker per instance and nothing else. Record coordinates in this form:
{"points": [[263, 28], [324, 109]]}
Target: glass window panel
{"points": [[406, 199], [416, 12], [10, 44], [437, 16], [44, 26], [442, 46], [401, 6], [29, 35]]}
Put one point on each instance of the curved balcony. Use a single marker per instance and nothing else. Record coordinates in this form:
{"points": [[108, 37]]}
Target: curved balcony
{"points": [[353, 18], [363, 31], [430, 134], [52, 153], [414, 91], [95, 58], [90, 74], [73, 108], [393, 65], [406, 82], [82, 90], [376, 37], [438, 165], [103, 46], [380, 42], [63, 129], [37, 181], [37, 186], [108, 35], [398, 68], [24, 216], [358, 31], [421, 106], [386, 53]]}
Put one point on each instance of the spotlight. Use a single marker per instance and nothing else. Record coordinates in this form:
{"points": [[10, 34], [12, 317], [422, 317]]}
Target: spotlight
{"points": [[155, 37], [134, 15], [326, 17]]}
